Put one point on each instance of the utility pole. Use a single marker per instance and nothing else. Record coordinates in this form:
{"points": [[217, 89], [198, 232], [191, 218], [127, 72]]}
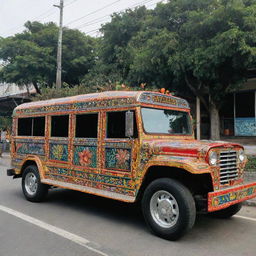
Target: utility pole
{"points": [[59, 52], [198, 119]]}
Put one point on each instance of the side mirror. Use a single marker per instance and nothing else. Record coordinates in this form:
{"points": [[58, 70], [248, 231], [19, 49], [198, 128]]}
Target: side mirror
{"points": [[129, 124]]}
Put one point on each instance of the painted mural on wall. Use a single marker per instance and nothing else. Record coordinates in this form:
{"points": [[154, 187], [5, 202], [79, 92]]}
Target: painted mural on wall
{"points": [[59, 152], [245, 126], [85, 156], [118, 158]]}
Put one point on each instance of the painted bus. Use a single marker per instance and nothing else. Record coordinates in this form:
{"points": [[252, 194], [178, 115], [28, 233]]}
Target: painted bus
{"points": [[132, 146]]}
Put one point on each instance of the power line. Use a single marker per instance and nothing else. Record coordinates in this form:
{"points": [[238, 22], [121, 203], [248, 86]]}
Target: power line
{"points": [[49, 12], [34, 18], [66, 5], [92, 22], [96, 31], [100, 9], [101, 19], [37, 17]]}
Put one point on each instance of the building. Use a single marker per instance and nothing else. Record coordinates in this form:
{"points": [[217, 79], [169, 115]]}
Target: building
{"points": [[12, 95]]}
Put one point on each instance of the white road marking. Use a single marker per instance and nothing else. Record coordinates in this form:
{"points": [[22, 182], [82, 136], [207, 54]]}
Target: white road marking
{"points": [[246, 218], [58, 231]]}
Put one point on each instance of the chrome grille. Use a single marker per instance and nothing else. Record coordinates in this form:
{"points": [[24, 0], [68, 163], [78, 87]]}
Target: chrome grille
{"points": [[228, 166]]}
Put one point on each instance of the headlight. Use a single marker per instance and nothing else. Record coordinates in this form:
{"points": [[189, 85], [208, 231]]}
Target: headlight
{"points": [[241, 155], [213, 158]]}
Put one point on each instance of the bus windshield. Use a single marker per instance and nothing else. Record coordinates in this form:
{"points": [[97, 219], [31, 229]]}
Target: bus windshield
{"points": [[163, 121]]}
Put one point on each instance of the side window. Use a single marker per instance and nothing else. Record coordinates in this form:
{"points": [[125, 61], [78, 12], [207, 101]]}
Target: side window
{"points": [[25, 126], [59, 126], [38, 126], [116, 125], [32, 126], [87, 126]]}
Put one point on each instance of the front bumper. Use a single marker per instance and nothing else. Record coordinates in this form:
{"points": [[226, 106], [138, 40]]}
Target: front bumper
{"points": [[10, 172], [224, 198]]}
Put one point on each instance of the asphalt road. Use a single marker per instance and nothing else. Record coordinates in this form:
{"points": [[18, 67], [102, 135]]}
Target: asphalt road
{"points": [[71, 223]]}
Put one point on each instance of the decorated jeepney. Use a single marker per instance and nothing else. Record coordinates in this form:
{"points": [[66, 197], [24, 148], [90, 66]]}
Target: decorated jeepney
{"points": [[132, 146]]}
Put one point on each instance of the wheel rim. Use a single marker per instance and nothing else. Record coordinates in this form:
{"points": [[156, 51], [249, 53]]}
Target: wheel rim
{"points": [[164, 209], [31, 183]]}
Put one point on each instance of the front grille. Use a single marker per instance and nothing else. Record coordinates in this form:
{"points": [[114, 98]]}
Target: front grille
{"points": [[228, 166]]}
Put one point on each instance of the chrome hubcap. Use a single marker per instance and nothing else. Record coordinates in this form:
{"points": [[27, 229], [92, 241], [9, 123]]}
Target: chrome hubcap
{"points": [[31, 183], [164, 209]]}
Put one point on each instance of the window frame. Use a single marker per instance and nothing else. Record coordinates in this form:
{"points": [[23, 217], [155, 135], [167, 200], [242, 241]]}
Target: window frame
{"points": [[32, 126], [123, 110]]}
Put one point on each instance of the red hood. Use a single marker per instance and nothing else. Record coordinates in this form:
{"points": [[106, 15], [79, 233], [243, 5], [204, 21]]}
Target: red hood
{"points": [[188, 147]]}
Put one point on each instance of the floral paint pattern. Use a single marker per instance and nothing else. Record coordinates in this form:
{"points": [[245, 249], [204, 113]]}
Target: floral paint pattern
{"points": [[59, 152], [85, 156], [118, 159]]}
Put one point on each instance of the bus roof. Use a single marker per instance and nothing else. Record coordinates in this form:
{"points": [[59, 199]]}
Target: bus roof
{"points": [[109, 99]]}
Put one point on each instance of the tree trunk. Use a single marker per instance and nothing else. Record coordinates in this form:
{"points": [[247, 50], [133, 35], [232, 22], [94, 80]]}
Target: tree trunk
{"points": [[215, 121], [28, 92], [37, 88]]}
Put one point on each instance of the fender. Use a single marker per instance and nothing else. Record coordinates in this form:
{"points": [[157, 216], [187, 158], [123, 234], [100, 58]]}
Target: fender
{"points": [[192, 165], [38, 161]]}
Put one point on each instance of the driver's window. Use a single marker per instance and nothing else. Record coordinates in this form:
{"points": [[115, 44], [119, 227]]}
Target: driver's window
{"points": [[116, 125]]}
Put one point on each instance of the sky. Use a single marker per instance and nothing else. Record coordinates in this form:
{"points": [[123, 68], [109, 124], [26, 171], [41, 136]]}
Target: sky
{"points": [[85, 15]]}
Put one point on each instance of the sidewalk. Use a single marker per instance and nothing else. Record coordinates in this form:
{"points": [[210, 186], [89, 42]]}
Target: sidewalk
{"points": [[250, 150]]}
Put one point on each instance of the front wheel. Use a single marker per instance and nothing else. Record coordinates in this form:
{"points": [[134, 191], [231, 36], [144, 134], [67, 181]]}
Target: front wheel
{"points": [[168, 208], [33, 189]]}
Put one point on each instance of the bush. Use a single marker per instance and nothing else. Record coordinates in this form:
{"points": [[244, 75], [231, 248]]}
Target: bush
{"points": [[251, 165]]}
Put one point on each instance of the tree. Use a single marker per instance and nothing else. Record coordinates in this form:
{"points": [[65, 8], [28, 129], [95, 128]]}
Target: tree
{"points": [[30, 57], [116, 36], [204, 45], [216, 47], [150, 51]]}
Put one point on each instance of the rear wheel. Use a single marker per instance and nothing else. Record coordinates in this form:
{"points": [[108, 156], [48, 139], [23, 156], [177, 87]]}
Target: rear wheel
{"points": [[227, 212], [168, 208], [33, 189]]}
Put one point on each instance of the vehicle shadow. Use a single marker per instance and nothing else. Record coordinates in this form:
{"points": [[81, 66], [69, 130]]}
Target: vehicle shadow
{"points": [[206, 228], [98, 206]]}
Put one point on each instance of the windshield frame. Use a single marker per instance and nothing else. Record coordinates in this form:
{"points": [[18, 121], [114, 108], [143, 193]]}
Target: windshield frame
{"points": [[191, 134]]}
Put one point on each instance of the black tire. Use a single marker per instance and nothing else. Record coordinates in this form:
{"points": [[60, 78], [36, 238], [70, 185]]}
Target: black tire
{"points": [[227, 212], [184, 204], [39, 191]]}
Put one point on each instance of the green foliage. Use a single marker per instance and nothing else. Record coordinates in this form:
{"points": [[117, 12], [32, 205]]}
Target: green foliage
{"points": [[150, 58], [251, 165], [66, 91], [201, 46], [30, 57], [5, 122], [204, 45], [117, 34]]}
